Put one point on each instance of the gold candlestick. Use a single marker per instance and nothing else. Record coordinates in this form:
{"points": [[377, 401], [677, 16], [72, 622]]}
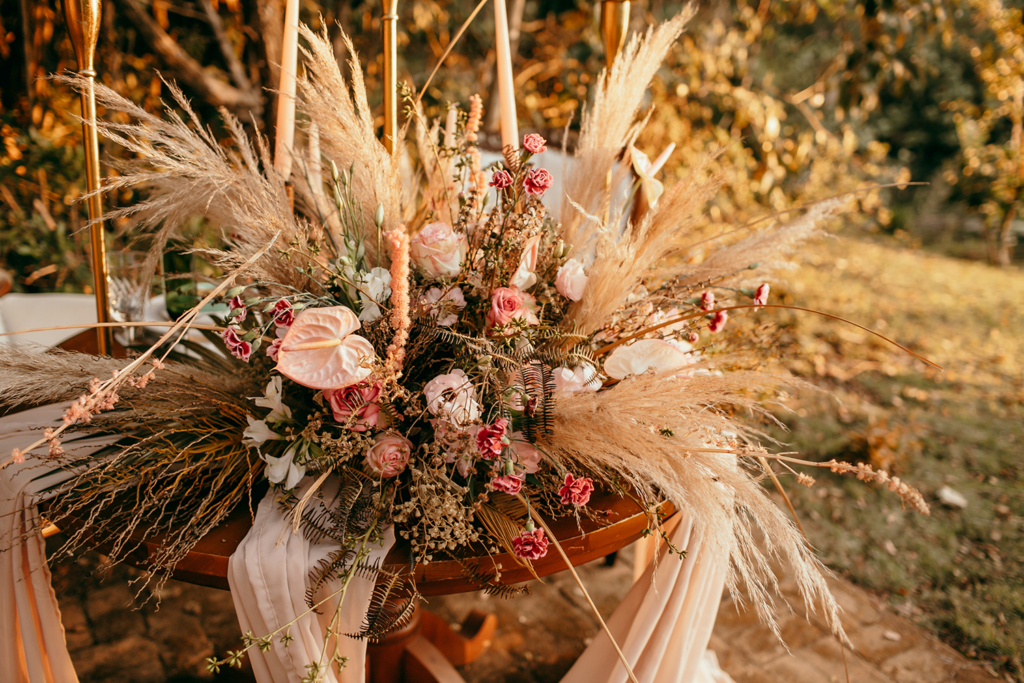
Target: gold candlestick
{"points": [[83, 19], [389, 26], [614, 26]]}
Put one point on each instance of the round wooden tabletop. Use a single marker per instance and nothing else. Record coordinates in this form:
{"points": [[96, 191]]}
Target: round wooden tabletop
{"points": [[621, 522]]}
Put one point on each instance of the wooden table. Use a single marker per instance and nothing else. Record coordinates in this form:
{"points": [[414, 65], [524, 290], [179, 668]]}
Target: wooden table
{"points": [[426, 648]]}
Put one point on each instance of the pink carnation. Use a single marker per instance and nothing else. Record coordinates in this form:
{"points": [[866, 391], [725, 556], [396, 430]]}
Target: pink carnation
{"points": [[692, 337], [284, 314], [576, 491], [510, 484], [489, 439], [538, 181], [761, 295], [358, 401], [274, 348], [707, 300], [533, 143], [500, 180], [236, 345], [237, 309], [718, 322], [530, 545]]}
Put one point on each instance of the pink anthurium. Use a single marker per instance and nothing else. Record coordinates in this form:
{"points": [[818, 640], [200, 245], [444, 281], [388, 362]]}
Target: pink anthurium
{"points": [[320, 351]]}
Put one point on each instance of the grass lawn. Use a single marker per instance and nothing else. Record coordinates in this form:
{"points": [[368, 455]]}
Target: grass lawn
{"points": [[961, 570]]}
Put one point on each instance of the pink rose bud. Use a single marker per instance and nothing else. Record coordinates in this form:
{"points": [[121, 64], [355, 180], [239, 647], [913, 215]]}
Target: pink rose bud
{"points": [[707, 300], [576, 491], [538, 181], [355, 405], [488, 439], [533, 143], [761, 295], [530, 545], [500, 180], [389, 455], [718, 322], [283, 313], [510, 484]]}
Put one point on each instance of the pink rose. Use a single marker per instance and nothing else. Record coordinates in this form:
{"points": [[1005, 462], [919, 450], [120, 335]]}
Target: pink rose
{"points": [[500, 180], [508, 304], [438, 250], [718, 321], [761, 295], [489, 439], [538, 181], [357, 401], [576, 491], [571, 281], [283, 313], [531, 545], [388, 455], [510, 484], [238, 347], [533, 143], [707, 300]]}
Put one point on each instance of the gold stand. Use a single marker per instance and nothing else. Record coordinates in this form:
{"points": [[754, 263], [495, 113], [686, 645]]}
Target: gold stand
{"points": [[83, 19], [389, 26], [614, 26]]}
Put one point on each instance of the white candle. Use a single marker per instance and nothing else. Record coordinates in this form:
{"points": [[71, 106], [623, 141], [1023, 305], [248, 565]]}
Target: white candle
{"points": [[286, 99], [506, 94]]}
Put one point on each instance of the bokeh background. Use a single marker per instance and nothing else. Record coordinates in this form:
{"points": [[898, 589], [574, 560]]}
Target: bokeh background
{"points": [[807, 99]]}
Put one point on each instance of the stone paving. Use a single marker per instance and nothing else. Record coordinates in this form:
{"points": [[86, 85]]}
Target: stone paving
{"points": [[538, 637]]}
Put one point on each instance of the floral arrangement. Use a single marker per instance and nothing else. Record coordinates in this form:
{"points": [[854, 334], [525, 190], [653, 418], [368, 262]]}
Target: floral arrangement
{"points": [[463, 363]]}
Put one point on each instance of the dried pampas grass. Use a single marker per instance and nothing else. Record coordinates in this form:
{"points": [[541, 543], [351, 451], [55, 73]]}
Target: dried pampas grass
{"points": [[347, 131], [618, 431], [27, 374], [608, 127]]}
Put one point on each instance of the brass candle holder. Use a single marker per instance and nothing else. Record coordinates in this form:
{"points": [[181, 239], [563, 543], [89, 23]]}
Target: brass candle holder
{"points": [[83, 19], [614, 26], [389, 27]]}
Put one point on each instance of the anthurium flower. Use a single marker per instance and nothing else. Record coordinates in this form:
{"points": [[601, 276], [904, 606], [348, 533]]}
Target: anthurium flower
{"points": [[644, 355], [647, 170], [525, 277], [320, 351]]}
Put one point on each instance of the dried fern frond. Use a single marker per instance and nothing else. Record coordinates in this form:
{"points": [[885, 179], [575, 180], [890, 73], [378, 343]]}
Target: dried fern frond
{"points": [[659, 435]]}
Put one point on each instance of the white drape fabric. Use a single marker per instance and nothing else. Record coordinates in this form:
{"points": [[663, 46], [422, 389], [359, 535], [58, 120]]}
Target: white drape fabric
{"points": [[663, 625], [32, 646], [268, 574]]}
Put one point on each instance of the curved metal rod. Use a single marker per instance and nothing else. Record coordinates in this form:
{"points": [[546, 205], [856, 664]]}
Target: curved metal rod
{"points": [[614, 26], [389, 27]]}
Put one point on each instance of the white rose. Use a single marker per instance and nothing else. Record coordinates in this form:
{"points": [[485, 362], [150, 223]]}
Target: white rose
{"points": [[571, 281], [438, 251], [452, 396]]}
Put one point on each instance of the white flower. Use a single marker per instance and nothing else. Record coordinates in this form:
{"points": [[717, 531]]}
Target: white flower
{"points": [[583, 378], [644, 355], [374, 289], [452, 396], [279, 412], [258, 432], [284, 470], [443, 304], [571, 281], [525, 277]]}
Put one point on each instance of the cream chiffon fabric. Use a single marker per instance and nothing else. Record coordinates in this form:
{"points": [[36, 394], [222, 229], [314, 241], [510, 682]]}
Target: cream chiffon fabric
{"points": [[663, 625]]}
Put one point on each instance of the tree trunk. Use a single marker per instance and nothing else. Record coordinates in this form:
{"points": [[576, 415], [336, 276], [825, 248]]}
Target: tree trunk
{"points": [[1004, 255]]}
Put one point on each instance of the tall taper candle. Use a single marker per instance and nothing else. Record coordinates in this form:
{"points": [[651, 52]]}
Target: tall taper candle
{"points": [[83, 19], [506, 93], [285, 131]]}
